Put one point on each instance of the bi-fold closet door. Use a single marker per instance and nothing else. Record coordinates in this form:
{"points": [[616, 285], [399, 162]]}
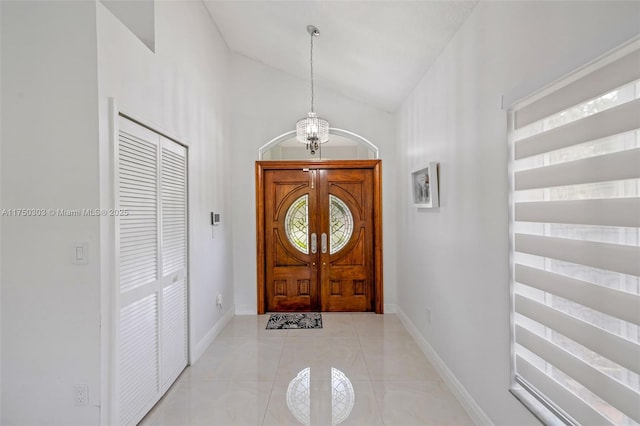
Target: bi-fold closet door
{"points": [[151, 259]]}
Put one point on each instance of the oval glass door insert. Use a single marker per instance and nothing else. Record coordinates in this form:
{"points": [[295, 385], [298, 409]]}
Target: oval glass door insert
{"points": [[296, 224]]}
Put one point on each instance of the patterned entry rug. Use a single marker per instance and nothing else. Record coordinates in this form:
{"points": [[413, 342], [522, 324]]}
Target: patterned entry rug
{"points": [[294, 320]]}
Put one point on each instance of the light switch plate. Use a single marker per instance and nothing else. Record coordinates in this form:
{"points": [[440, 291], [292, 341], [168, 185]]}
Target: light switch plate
{"points": [[80, 253]]}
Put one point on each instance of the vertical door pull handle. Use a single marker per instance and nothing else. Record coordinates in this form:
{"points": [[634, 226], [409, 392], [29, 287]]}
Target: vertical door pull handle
{"points": [[324, 242], [314, 243]]}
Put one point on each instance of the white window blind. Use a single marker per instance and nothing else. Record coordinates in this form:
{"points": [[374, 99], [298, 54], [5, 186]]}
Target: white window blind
{"points": [[575, 243]]}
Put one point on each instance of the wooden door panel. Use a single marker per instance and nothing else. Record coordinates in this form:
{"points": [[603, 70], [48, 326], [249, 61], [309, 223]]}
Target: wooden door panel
{"points": [[282, 191], [353, 254], [283, 256], [348, 296], [352, 191], [291, 284], [347, 275]]}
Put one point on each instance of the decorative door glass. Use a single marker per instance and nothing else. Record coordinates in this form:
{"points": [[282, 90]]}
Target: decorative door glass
{"points": [[296, 224], [341, 224]]}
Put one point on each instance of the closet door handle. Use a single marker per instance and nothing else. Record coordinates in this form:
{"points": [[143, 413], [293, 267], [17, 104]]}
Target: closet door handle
{"points": [[324, 242], [314, 243]]}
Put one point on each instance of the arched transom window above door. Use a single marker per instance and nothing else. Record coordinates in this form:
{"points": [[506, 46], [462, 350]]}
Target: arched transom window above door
{"points": [[342, 145]]}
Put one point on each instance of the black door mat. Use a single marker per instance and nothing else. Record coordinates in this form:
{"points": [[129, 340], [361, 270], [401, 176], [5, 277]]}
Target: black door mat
{"points": [[294, 320]]}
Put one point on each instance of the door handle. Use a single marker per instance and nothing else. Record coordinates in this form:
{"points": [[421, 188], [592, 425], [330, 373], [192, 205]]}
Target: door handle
{"points": [[314, 243], [324, 242]]}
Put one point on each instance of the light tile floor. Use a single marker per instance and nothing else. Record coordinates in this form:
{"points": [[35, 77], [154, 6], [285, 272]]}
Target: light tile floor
{"points": [[253, 376]]}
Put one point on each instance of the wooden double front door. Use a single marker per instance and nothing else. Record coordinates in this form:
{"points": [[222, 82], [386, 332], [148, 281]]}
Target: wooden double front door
{"points": [[319, 236]]}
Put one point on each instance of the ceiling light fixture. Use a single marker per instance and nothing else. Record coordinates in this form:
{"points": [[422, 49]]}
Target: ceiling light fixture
{"points": [[312, 130]]}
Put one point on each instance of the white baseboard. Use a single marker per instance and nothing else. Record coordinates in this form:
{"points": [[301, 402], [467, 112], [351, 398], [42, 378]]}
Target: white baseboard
{"points": [[472, 408], [246, 310], [208, 338], [390, 308]]}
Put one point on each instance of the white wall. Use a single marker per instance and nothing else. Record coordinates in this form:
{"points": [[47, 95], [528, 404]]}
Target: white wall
{"points": [[1, 206], [267, 103], [50, 307], [455, 259], [179, 89], [138, 16], [61, 62]]}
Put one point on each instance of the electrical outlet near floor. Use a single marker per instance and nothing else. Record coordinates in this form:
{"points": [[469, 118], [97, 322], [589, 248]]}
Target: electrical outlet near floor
{"points": [[219, 301], [428, 315], [81, 395]]}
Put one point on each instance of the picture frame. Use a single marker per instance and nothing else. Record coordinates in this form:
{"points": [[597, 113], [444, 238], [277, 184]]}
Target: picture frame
{"points": [[424, 187]]}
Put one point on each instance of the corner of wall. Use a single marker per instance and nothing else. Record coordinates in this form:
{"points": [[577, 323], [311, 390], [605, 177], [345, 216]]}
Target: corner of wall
{"points": [[201, 346], [246, 310], [390, 308], [470, 405]]}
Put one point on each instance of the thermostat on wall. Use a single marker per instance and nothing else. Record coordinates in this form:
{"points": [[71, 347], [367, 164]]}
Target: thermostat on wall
{"points": [[215, 218]]}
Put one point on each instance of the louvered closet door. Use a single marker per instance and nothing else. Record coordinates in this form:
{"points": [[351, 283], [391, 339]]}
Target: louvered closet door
{"points": [[173, 184], [151, 304]]}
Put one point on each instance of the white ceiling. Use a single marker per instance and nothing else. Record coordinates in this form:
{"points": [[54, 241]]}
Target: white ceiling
{"points": [[372, 51]]}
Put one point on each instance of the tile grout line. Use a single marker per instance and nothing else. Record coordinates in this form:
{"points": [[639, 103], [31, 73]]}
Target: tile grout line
{"points": [[366, 365], [275, 375]]}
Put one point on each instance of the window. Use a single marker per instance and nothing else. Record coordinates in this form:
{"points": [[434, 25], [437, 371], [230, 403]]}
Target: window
{"points": [[575, 243], [297, 224]]}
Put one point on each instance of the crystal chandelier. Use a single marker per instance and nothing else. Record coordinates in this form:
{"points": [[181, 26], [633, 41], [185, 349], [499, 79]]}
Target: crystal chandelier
{"points": [[312, 130]]}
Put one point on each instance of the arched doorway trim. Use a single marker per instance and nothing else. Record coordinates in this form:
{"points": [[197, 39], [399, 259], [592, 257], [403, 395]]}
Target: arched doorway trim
{"points": [[332, 131]]}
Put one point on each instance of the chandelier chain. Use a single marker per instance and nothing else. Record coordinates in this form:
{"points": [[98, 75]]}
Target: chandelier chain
{"points": [[311, 60], [312, 130]]}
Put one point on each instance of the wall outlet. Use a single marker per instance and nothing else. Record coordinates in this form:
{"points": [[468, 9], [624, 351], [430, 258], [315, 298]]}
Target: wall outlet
{"points": [[81, 395], [219, 301], [428, 315]]}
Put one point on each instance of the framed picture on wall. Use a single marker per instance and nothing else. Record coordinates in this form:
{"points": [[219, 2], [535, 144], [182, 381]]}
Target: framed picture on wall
{"points": [[424, 186]]}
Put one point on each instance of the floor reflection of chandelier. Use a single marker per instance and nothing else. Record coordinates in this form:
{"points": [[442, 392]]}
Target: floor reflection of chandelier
{"points": [[299, 396]]}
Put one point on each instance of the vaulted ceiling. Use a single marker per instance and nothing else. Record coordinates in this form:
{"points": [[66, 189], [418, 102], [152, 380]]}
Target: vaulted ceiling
{"points": [[374, 52]]}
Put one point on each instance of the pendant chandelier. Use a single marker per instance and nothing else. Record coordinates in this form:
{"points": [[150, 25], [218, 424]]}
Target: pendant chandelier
{"points": [[312, 130]]}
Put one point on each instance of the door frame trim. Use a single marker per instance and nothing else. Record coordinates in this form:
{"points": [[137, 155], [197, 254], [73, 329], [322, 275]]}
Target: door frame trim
{"points": [[375, 165]]}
